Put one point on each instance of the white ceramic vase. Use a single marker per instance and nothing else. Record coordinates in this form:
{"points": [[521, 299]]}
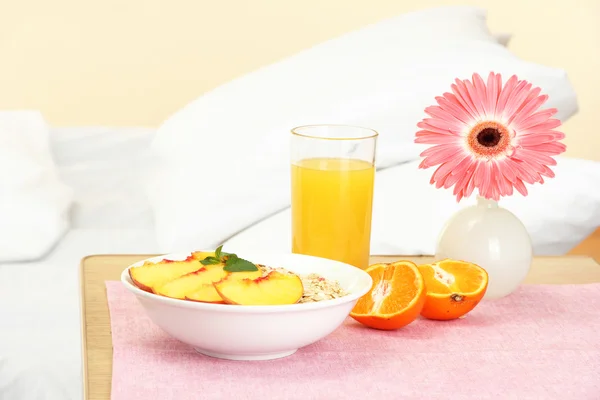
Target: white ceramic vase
{"points": [[493, 238]]}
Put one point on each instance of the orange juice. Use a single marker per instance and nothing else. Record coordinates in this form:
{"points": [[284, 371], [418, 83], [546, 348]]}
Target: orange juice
{"points": [[332, 200]]}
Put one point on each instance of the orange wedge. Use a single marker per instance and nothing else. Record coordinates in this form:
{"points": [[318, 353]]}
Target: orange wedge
{"points": [[395, 299], [454, 288]]}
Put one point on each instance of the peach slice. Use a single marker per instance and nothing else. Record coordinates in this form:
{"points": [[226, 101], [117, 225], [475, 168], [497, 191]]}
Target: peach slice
{"points": [[244, 275], [152, 275], [201, 255], [205, 294], [273, 289], [190, 283], [208, 294]]}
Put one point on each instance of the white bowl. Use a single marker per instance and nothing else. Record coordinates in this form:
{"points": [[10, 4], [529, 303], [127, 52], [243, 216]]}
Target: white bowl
{"points": [[238, 332]]}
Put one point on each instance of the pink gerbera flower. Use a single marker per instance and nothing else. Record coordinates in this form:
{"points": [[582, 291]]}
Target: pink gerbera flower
{"points": [[490, 138]]}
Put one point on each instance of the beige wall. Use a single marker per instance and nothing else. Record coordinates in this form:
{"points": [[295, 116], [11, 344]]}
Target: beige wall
{"points": [[133, 62]]}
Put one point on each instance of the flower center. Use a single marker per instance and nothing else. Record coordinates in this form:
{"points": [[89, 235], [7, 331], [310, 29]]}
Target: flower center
{"points": [[488, 139]]}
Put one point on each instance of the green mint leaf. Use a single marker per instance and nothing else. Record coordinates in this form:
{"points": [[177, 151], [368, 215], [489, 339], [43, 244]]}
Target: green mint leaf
{"points": [[230, 258], [237, 264], [218, 252], [210, 261]]}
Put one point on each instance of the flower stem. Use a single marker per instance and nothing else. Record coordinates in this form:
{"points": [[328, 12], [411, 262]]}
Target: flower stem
{"points": [[489, 203]]}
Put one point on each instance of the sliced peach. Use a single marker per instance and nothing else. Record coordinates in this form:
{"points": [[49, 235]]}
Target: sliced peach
{"points": [[201, 255], [152, 275], [244, 275], [273, 289], [208, 294], [205, 294], [189, 283]]}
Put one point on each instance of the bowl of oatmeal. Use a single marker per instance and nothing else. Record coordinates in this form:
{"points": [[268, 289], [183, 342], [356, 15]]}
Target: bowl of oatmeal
{"points": [[285, 303]]}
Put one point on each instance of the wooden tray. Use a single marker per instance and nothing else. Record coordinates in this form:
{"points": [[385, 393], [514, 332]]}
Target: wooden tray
{"points": [[97, 342]]}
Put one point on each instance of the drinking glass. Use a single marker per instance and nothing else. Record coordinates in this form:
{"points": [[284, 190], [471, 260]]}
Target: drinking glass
{"points": [[333, 174]]}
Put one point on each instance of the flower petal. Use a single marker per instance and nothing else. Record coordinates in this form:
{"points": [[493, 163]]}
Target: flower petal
{"points": [[528, 107], [522, 168], [471, 184], [487, 179], [443, 171], [450, 150], [437, 176], [515, 101], [451, 104], [547, 172], [439, 154], [441, 114], [461, 184], [429, 137], [495, 174], [535, 119], [557, 135], [505, 94], [534, 140], [520, 187], [460, 91], [492, 91], [543, 127], [462, 167], [476, 91], [444, 124], [451, 180], [426, 126], [508, 186], [508, 170], [528, 155], [553, 148], [479, 172]]}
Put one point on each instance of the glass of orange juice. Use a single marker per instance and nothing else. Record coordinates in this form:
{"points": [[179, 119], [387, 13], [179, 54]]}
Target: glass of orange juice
{"points": [[333, 175]]}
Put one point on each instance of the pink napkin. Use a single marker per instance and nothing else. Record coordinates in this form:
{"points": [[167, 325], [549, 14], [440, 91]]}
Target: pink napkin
{"points": [[542, 342]]}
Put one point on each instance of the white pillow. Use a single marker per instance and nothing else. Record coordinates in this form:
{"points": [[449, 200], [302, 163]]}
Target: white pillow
{"points": [[409, 213], [225, 157], [34, 203], [107, 169]]}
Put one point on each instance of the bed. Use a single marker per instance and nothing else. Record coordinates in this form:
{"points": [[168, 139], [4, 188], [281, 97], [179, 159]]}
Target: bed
{"points": [[41, 333], [40, 356], [101, 189], [39, 300]]}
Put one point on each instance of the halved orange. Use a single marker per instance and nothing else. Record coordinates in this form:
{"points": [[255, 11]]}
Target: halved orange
{"points": [[454, 288], [395, 299]]}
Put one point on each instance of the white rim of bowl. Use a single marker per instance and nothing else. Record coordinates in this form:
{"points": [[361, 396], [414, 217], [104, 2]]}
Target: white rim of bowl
{"points": [[297, 307]]}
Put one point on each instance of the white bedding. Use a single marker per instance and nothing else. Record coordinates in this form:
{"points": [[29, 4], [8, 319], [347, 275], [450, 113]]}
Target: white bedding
{"points": [[409, 213], [40, 331], [107, 168], [236, 136]]}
